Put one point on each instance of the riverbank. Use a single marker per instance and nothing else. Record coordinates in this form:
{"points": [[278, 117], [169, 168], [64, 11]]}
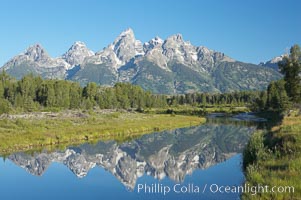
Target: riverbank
{"points": [[273, 158], [34, 130], [198, 110]]}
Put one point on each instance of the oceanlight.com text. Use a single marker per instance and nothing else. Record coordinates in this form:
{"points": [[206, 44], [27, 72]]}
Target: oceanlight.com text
{"points": [[192, 188], [253, 190]]}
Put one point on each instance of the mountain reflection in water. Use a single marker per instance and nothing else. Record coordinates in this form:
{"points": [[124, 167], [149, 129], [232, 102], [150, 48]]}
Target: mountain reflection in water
{"points": [[173, 154]]}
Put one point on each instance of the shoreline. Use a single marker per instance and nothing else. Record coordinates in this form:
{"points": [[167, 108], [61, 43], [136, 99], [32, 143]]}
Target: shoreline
{"points": [[28, 131], [272, 158]]}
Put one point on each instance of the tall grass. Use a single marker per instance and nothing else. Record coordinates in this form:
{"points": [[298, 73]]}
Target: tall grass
{"points": [[274, 159], [200, 111], [24, 134]]}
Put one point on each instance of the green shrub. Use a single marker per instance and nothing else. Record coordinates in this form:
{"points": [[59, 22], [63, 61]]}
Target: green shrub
{"points": [[4, 106], [255, 149]]}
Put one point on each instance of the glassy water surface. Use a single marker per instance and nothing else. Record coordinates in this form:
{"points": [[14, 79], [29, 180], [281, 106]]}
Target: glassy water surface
{"points": [[186, 161]]}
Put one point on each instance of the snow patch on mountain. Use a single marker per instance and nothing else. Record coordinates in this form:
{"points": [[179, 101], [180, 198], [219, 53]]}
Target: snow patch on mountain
{"points": [[77, 54]]}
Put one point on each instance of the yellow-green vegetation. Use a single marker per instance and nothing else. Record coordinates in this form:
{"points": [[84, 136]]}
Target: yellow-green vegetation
{"points": [[274, 159], [193, 110], [23, 134]]}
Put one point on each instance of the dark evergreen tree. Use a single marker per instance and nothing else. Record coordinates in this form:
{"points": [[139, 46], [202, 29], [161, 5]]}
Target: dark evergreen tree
{"points": [[277, 99], [75, 95], [291, 68]]}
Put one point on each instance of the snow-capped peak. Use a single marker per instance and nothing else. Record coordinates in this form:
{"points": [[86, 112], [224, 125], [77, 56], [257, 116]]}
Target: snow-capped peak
{"points": [[273, 63], [277, 59], [177, 38], [156, 41], [126, 46], [79, 44], [77, 53], [128, 31], [36, 52]]}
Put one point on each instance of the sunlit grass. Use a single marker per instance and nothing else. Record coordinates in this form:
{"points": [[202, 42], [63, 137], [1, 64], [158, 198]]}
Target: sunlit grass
{"points": [[280, 162], [24, 134], [193, 110]]}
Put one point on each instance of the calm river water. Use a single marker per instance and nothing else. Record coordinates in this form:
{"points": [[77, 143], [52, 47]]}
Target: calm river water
{"points": [[188, 163]]}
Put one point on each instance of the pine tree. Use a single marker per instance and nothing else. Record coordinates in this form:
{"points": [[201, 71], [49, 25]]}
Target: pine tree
{"points": [[283, 98], [263, 99], [50, 102], [204, 100], [273, 98], [277, 99], [90, 92], [291, 68], [75, 95]]}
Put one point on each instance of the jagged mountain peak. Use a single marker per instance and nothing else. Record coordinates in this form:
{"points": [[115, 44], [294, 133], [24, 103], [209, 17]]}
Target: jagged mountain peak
{"points": [[125, 47], [127, 32], [78, 44], [177, 42], [175, 48], [125, 36], [77, 53], [36, 60], [176, 37], [36, 52], [273, 63], [156, 41], [278, 58]]}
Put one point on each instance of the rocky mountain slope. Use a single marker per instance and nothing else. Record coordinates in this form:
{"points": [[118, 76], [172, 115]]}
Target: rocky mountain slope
{"points": [[162, 66], [273, 63], [37, 61]]}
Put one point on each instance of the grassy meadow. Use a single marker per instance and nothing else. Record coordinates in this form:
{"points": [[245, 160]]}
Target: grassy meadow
{"points": [[23, 134], [273, 158]]}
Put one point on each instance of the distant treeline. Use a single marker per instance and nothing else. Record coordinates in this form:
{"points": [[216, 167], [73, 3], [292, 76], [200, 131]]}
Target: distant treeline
{"points": [[240, 98], [33, 94]]}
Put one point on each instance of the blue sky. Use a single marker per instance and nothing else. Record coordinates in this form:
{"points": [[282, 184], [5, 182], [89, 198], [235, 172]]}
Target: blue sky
{"points": [[246, 30]]}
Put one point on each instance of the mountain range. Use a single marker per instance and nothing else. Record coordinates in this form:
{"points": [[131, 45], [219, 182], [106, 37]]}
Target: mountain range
{"points": [[170, 66]]}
